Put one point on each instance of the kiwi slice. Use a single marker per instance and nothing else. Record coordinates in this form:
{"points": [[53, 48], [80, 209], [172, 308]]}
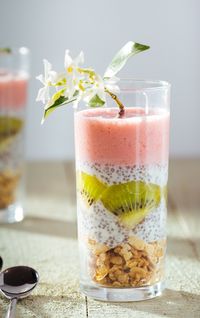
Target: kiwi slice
{"points": [[90, 187], [131, 201], [9, 128]]}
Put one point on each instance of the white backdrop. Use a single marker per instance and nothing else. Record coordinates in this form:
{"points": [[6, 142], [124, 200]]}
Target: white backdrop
{"points": [[100, 28]]}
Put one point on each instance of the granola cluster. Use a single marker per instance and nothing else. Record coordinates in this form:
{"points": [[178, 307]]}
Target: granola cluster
{"points": [[8, 183], [131, 264]]}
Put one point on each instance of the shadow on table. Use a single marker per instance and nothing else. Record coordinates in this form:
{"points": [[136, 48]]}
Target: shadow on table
{"points": [[171, 304], [46, 306], [45, 226], [180, 247]]}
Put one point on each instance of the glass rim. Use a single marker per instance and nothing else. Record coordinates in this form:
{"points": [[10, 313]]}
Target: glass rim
{"points": [[144, 84]]}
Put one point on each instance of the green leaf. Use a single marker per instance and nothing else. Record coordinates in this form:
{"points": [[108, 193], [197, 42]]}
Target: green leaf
{"points": [[62, 100], [58, 94], [76, 93], [120, 59], [96, 101]]}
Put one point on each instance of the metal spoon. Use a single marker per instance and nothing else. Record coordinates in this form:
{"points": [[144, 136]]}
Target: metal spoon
{"points": [[1, 263], [17, 282]]}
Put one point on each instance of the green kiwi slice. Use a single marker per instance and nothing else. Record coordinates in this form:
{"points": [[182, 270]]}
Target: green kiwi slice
{"points": [[90, 187], [131, 201], [9, 128]]}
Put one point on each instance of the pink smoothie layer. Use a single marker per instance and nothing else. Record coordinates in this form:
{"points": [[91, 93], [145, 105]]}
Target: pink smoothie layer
{"points": [[102, 137], [13, 90]]}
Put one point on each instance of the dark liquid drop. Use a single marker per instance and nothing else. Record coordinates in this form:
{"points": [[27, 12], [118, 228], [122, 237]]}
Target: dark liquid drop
{"points": [[19, 276], [1, 263]]}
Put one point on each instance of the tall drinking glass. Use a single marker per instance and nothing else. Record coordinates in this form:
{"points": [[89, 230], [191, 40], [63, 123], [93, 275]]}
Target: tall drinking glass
{"points": [[13, 98], [122, 172]]}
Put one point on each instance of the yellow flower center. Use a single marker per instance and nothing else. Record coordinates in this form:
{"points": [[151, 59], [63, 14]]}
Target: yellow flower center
{"points": [[70, 69], [81, 87]]}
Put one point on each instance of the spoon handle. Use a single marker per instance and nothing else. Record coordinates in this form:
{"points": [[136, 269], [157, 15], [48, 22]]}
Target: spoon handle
{"points": [[11, 308]]}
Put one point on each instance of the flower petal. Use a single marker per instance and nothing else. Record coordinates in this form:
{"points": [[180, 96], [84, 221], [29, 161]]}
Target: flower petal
{"points": [[47, 69], [101, 94], [113, 79], [43, 94], [113, 88], [88, 95], [40, 78], [56, 78], [68, 59], [79, 59]]}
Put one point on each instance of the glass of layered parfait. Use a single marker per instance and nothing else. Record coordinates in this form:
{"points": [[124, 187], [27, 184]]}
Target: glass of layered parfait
{"points": [[122, 172], [13, 97]]}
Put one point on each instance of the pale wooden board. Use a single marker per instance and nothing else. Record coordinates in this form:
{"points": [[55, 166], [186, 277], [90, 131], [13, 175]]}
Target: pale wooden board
{"points": [[46, 240], [51, 191], [184, 191]]}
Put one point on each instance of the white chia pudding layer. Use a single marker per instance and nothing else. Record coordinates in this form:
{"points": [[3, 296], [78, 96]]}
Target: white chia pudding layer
{"points": [[113, 174], [97, 223]]}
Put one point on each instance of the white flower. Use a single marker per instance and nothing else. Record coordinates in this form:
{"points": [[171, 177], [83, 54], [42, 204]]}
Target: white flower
{"points": [[78, 83], [111, 86], [97, 88], [43, 94], [56, 78], [73, 73], [70, 63], [50, 78]]}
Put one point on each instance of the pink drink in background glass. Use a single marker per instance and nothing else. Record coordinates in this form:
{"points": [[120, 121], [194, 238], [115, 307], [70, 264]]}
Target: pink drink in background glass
{"points": [[13, 90], [122, 171], [13, 99]]}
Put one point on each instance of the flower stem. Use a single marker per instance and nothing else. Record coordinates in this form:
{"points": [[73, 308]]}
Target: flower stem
{"points": [[119, 103]]}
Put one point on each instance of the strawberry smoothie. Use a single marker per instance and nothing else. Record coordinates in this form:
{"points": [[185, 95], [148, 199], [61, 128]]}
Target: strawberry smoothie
{"points": [[136, 139], [122, 171], [13, 90]]}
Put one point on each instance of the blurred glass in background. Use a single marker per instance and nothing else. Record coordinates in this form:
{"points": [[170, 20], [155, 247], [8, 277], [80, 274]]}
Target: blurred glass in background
{"points": [[14, 75]]}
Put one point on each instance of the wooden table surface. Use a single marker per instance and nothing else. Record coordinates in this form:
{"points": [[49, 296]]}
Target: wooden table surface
{"points": [[46, 240]]}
